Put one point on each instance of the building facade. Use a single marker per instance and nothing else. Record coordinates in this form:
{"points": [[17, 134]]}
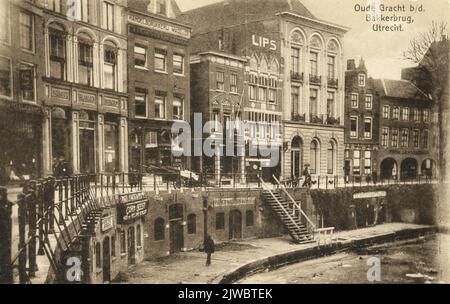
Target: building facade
{"points": [[294, 78], [21, 91], [158, 70], [362, 123], [85, 82], [406, 119]]}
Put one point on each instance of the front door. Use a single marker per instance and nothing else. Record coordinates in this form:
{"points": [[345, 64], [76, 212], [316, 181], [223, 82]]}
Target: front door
{"points": [[87, 150], [106, 260], [131, 246], [235, 225], [176, 228]]}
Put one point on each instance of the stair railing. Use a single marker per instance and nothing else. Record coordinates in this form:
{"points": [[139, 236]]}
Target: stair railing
{"points": [[296, 204], [264, 185]]}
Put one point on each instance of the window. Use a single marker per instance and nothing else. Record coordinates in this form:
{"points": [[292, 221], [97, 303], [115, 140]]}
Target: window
{"points": [[386, 112], [140, 103], [295, 100], [313, 102], [57, 54], [354, 100], [177, 108], [123, 242], [396, 113], [160, 60], [272, 95], [249, 220], [394, 138], [416, 138], [426, 116], [233, 83], [362, 80], [368, 103], [220, 81], [331, 67], [220, 221], [108, 10], [161, 7], [5, 77], [159, 229], [160, 106], [85, 11], [385, 137], [330, 104], [368, 128], [331, 158], [354, 126], [5, 33], [416, 115], [191, 224], [262, 94], [252, 92], [178, 64], [425, 137], [140, 56], [85, 63], [109, 68], [367, 162], [27, 82], [98, 255], [138, 236], [314, 157], [356, 162], [113, 246], [54, 5], [404, 140], [295, 60], [405, 114], [26, 31], [313, 61]]}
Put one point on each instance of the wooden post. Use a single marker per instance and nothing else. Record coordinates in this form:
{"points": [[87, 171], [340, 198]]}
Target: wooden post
{"points": [[6, 275], [23, 277], [32, 227]]}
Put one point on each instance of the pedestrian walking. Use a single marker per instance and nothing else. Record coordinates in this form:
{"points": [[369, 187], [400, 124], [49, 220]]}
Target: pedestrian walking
{"points": [[307, 176], [209, 248]]}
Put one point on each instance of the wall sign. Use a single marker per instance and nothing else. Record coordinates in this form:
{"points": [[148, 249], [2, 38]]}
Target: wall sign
{"points": [[160, 25], [107, 223], [264, 42], [130, 207], [375, 194], [239, 201]]}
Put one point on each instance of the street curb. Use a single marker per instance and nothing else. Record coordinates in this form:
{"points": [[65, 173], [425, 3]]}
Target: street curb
{"points": [[316, 251]]}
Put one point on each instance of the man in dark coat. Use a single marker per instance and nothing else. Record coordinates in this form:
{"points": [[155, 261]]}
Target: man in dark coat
{"points": [[209, 247]]}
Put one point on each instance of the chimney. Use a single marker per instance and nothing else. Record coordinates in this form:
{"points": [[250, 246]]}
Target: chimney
{"points": [[351, 65]]}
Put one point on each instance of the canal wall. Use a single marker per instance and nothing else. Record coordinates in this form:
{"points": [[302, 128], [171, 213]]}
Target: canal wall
{"points": [[351, 208]]}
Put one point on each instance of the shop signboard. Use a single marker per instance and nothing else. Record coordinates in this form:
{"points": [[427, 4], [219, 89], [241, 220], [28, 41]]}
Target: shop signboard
{"points": [[130, 207]]}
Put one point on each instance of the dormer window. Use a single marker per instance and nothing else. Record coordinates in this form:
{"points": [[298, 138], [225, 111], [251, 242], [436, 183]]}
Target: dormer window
{"points": [[161, 7], [362, 80]]}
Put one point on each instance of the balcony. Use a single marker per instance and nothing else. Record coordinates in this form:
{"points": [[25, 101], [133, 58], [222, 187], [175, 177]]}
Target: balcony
{"points": [[315, 79], [316, 119], [297, 77], [332, 82], [324, 119], [298, 117]]}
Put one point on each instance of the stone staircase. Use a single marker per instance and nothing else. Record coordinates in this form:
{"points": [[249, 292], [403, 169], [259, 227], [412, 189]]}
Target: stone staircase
{"points": [[286, 213]]}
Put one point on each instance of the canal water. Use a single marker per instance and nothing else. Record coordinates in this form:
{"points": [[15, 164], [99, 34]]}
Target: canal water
{"points": [[417, 261]]}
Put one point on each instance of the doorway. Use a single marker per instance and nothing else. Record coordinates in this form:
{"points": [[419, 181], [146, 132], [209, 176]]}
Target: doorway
{"points": [[176, 228], [87, 150], [106, 260], [235, 225], [131, 246]]}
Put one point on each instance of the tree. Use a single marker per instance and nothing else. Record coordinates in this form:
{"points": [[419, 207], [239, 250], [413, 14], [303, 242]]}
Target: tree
{"points": [[430, 51]]}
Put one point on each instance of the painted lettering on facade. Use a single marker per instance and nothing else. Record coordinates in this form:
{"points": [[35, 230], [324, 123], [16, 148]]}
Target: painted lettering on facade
{"points": [[264, 42]]}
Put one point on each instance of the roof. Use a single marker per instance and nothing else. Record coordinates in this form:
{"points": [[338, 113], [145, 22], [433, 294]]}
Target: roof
{"points": [[400, 89], [233, 12]]}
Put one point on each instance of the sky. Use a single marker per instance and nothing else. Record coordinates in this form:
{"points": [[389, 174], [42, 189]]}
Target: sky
{"points": [[382, 51]]}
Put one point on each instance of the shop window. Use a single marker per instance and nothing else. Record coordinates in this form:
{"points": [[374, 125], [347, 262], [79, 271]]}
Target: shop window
{"points": [[178, 64], [27, 82], [85, 63], [57, 53], [140, 103], [123, 242], [249, 220], [233, 83], [160, 60], [192, 224], [159, 229], [26, 31], [5, 77], [220, 81], [138, 236], [220, 221], [113, 246], [140, 56], [110, 67], [98, 255]]}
